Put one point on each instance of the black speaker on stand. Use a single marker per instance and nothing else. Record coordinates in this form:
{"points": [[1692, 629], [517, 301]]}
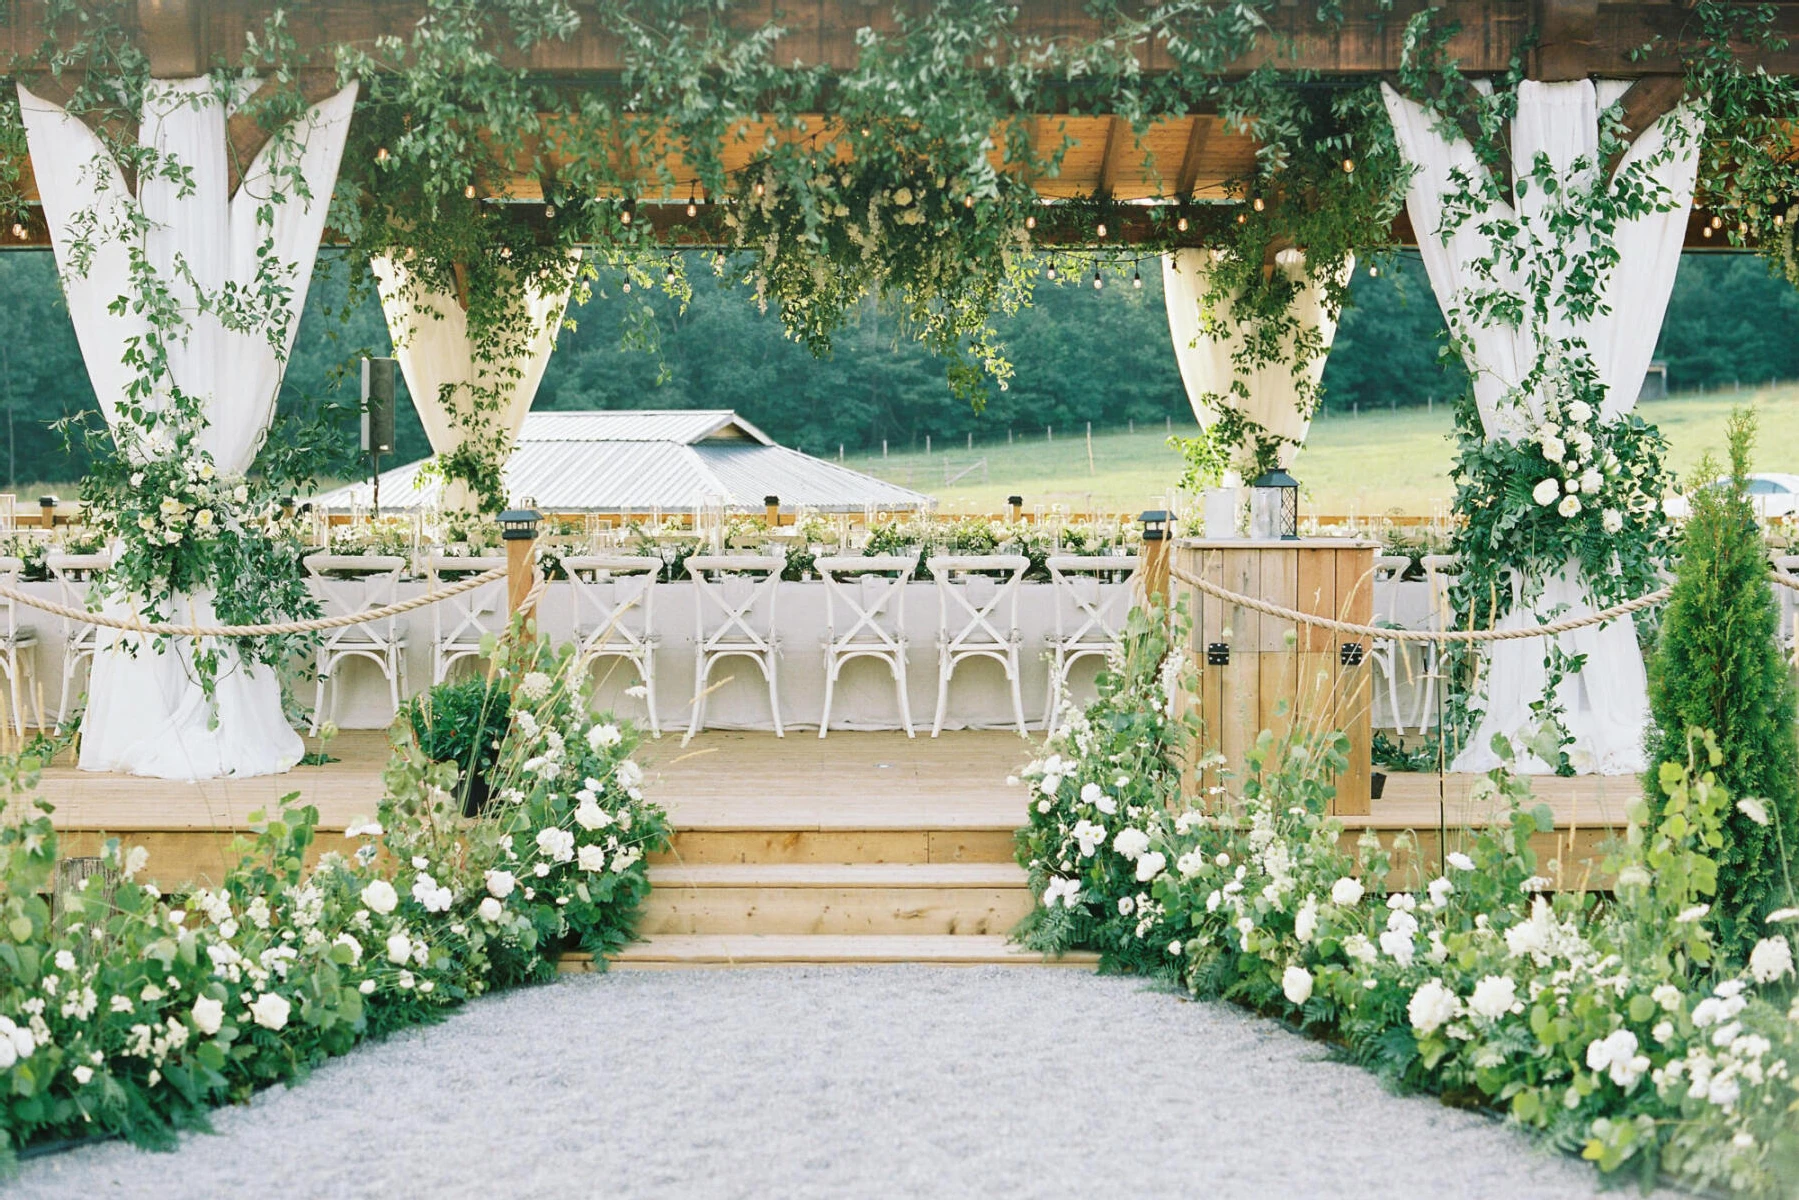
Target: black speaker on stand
{"points": [[378, 375]]}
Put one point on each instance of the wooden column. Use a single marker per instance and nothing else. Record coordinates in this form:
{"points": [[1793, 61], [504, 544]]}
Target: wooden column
{"points": [[46, 507], [1258, 671], [771, 508], [518, 529], [1016, 504], [1155, 554]]}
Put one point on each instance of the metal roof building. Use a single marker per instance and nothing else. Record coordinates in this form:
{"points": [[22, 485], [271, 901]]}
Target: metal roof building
{"points": [[624, 461]]}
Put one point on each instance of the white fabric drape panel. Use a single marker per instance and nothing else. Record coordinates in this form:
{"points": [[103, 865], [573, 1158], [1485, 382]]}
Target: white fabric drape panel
{"points": [[1205, 357], [147, 713], [1607, 702], [432, 343]]}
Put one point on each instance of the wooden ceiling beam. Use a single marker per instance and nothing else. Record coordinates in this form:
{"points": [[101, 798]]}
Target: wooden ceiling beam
{"points": [[1199, 132]]}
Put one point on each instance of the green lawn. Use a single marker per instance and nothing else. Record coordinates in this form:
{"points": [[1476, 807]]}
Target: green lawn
{"points": [[1374, 463]]}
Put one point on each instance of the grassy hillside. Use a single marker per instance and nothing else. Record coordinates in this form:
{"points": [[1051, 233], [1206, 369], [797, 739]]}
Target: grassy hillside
{"points": [[1371, 463]]}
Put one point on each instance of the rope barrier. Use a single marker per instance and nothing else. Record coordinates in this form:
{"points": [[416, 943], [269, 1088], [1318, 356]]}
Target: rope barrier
{"points": [[167, 629]]}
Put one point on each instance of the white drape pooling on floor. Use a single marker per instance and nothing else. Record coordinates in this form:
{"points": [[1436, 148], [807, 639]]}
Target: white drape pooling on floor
{"points": [[147, 713], [1606, 703], [1206, 343], [441, 361]]}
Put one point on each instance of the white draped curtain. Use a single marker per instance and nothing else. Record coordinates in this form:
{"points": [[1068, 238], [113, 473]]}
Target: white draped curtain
{"points": [[1606, 703], [444, 365], [147, 713], [1207, 342]]}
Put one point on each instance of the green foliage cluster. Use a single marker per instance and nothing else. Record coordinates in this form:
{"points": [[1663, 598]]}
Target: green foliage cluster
{"points": [[1614, 1030], [463, 722], [1718, 663], [133, 1012]]}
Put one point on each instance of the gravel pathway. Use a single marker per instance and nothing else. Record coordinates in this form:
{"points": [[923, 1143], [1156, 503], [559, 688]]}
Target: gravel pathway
{"points": [[829, 1082]]}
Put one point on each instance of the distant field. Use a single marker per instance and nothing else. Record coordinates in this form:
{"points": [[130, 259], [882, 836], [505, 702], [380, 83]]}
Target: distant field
{"points": [[1371, 464]]}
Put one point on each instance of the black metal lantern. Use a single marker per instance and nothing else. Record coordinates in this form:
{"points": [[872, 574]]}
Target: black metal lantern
{"points": [[1274, 507], [1155, 525], [518, 524]]}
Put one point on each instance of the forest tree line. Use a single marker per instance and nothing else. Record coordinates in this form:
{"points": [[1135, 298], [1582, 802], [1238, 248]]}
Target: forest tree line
{"points": [[1080, 356]]}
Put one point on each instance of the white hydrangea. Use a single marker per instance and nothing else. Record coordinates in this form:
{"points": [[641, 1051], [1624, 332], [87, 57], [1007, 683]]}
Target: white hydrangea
{"points": [[1771, 959]]}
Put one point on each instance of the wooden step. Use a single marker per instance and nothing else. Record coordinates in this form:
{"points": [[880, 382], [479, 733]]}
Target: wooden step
{"points": [[835, 898], [774, 844], [668, 951]]}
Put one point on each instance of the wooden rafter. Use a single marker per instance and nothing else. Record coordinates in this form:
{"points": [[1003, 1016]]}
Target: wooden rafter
{"points": [[1199, 132], [1118, 134], [1646, 102]]}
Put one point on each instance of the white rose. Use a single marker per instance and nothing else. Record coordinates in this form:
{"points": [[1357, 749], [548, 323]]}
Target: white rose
{"points": [[500, 884], [1611, 520], [1494, 997], [1580, 411], [1305, 921], [1553, 449], [1569, 506], [591, 816], [399, 947], [1346, 891], [1440, 890], [380, 896], [1546, 491], [591, 858], [1591, 481], [83, 1074], [1432, 1006], [603, 737], [1091, 793], [1296, 984], [209, 1014], [1130, 842], [1149, 865], [556, 842], [271, 1010], [490, 909]]}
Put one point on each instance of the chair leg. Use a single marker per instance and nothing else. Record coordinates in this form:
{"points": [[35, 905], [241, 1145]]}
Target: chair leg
{"points": [[1057, 669], [701, 668], [899, 682], [69, 663], [648, 671], [774, 695], [1012, 673], [318, 698], [392, 672], [18, 704], [833, 664], [945, 667]]}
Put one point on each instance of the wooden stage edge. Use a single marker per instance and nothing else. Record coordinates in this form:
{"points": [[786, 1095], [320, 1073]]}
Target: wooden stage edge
{"points": [[850, 797]]}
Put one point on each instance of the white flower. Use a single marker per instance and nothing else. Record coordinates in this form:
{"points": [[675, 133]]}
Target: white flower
{"points": [[1432, 1006], [1580, 411], [1305, 921], [556, 842], [1440, 890], [399, 947], [1689, 915], [1067, 891], [1754, 809], [1346, 891], [1358, 947], [203, 519], [591, 858], [83, 1074], [1130, 842], [490, 909], [349, 942], [361, 828], [1662, 1032], [500, 884], [1771, 959], [271, 1010], [1570, 505], [1296, 984], [136, 859], [1049, 784], [380, 896], [1460, 861], [591, 816], [427, 892], [1091, 793], [1611, 520], [209, 1014], [534, 686], [64, 960], [1591, 481], [1494, 997], [1667, 996], [1546, 491], [1617, 1056], [902, 196], [603, 737], [1149, 865]]}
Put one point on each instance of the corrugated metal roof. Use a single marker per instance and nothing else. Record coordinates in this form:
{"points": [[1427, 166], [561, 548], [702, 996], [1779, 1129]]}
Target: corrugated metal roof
{"points": [[570, 462]]}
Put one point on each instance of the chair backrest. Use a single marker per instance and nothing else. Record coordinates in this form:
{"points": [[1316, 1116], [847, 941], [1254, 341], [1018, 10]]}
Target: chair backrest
{"points": [[613, 598], [871, 592], [74, 575], [1389, 570], [10, 569], [1090, 609], [463, 619], [1788, 565], [373, 581], [734, 601], [1440, 571], [977, 598]]}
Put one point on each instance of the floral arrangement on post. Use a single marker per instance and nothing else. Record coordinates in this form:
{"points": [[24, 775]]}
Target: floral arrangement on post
{"points": [[132, 1011], [1614, 1030]]}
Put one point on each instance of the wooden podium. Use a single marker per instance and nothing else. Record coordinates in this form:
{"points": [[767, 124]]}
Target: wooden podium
{"points": [[1261, 672]]}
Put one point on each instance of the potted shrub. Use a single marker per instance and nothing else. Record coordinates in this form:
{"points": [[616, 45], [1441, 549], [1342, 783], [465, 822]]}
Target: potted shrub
{"points": [[463, 723]]}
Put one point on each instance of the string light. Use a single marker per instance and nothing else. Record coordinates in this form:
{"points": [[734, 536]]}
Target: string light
{"points": [[1030, 222], [718, 261], [1742, 227], [759, 189], [625, 287], [1181, 225], [693, 210], [627, 210], [1717, 222], [1136, 279], [668, 276], [1706, 232], [468, 193], [1101, 229], [1349, 166], [1242, 218], [549, 212], [1257, 204], [1098, 283], [1373, 272], [18, 231], [1051, 273], [381, 154], [1779, 220], [506, 252], [968, 202]]}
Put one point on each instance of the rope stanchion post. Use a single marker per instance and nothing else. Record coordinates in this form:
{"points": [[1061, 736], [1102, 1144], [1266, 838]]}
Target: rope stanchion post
{"points": [[46, 507], [518, 529], [1155, 554]]}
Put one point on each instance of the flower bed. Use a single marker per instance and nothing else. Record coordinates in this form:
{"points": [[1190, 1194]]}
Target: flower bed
{"points": [[130, 1012], [1610, 1028]]}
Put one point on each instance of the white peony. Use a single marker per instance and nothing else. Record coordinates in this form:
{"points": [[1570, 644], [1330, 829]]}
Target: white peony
{"points": [[1305, 921], [1591, 481], [271, 1010], [1432, 1006], [592, 858], [1296, 984], [1149, 865], [1130, 842], [490, 909], [1569, 507], [1346, 891], [1460, 861], [556, 842], [1494, 997], [604, 737], [399, 947], [500, 884], [591, 816], [1546, 491], [380, 896], [1771, 959], [209, 1015]]}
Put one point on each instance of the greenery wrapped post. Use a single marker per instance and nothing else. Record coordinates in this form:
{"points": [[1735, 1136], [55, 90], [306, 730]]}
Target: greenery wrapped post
{"points": [[1719, 666]]}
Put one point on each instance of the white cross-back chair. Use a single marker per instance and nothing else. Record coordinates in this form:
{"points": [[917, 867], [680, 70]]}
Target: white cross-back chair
{"points": [[734, 617], [977, 617], [1440, 571], [613, 597], [73, 574], [1393, 661], [459, 622], [1090, 614], [356, 583], [1788, 565], [16, 638], [865, 617]]}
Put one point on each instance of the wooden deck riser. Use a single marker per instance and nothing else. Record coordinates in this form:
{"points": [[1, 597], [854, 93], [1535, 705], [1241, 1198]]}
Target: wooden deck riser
{"points": [[181, 860], [827, 910], [838, 846], [1570, 858]]}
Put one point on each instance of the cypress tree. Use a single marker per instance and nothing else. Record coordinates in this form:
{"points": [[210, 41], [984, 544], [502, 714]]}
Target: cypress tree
{"points": [[1719, 666]]}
